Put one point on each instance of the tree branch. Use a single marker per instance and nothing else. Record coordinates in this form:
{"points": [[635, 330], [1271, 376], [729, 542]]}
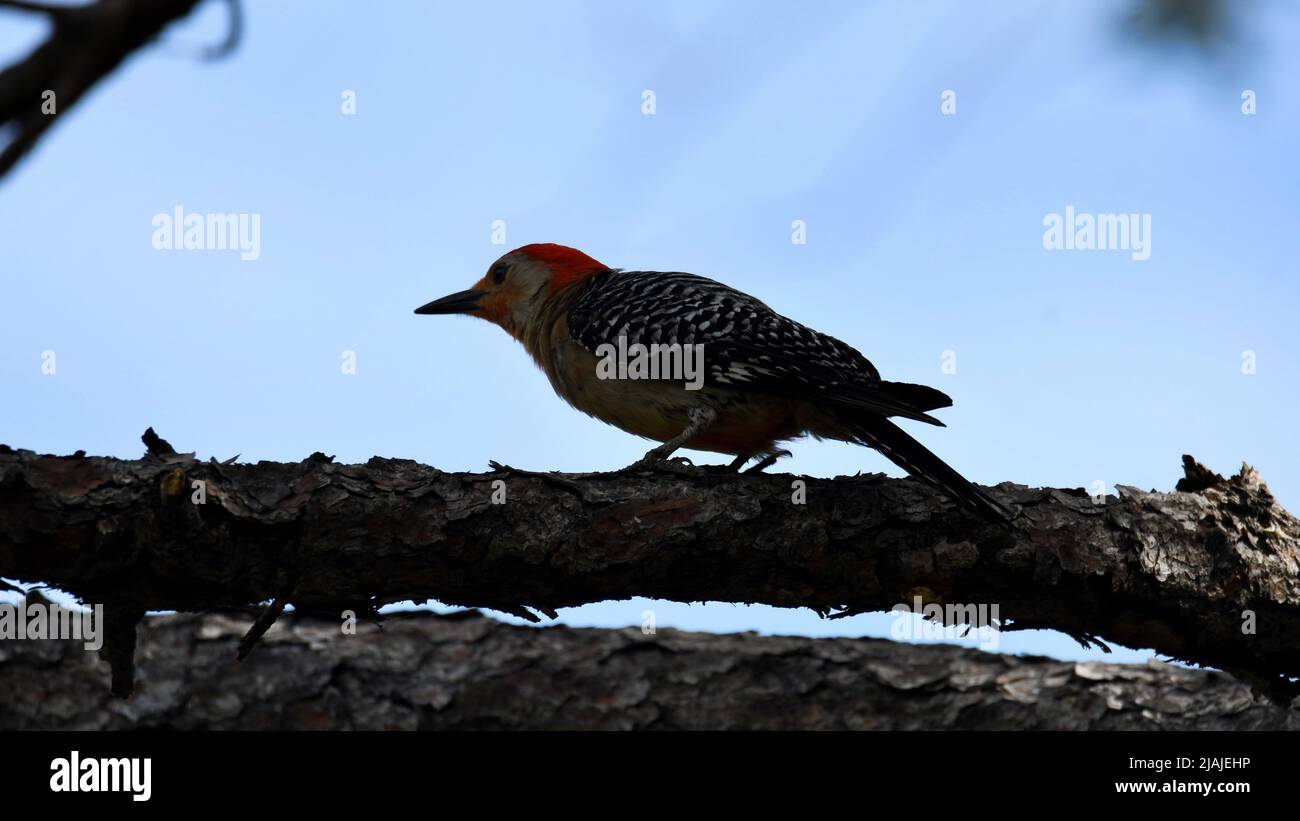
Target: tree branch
{"points": [[85, 44], [465, 671], [1169, 571]]}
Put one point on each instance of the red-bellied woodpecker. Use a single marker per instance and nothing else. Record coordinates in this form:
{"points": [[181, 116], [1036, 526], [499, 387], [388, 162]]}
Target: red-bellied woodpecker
{"points": [[765, 379]]}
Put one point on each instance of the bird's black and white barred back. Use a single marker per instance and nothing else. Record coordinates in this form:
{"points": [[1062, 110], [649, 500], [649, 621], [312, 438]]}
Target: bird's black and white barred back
{"points": [[747, 345]]}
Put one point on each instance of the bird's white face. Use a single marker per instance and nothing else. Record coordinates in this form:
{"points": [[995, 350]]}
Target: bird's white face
{"points": [[511, 294]]}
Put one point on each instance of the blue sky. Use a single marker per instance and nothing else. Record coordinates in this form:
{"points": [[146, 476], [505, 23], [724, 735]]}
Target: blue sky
{"points": [[924, 233]]}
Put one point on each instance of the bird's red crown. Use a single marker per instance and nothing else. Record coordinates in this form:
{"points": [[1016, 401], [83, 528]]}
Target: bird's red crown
{"points": [[567, 264]]}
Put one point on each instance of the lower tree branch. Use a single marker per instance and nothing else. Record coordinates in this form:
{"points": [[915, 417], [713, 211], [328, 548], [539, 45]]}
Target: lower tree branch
{"points": [[466, 671], [1210, 574]]}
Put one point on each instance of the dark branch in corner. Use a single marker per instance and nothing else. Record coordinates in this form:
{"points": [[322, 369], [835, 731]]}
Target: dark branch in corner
{"points": [[1171, 571], [85, 44]]}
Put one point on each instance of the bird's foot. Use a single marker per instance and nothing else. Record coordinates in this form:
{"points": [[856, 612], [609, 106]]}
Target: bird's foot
{"points": [[678, 465], [768, 460], [736, 464]]}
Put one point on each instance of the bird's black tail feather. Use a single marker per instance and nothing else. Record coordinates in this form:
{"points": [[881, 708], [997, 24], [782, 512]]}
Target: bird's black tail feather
{"points": [[910, 455]]}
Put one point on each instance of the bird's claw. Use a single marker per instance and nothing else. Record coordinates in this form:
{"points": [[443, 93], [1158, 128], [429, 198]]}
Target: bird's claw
{"points": [[768, 460], [679, 465]]}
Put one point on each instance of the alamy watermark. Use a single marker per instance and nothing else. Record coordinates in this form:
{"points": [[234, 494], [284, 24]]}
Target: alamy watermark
{"points": [[951, 622], [179, 231], [679, 362], [40, 619], [1098, 232], [128, 775]]}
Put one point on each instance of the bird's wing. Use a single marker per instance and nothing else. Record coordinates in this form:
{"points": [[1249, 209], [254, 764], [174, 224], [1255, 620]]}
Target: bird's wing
{"points": [[747, 345]]}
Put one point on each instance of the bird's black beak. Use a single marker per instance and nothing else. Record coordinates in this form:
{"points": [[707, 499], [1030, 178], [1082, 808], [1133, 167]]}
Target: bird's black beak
{"points": [[461, 302]]}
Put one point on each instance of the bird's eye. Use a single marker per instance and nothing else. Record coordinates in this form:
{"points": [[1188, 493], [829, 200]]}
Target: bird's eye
{"points": [[499, 273]]}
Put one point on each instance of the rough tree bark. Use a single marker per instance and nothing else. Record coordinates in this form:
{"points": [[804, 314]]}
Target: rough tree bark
{"points": [[1170, 571], [466, 671]]}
